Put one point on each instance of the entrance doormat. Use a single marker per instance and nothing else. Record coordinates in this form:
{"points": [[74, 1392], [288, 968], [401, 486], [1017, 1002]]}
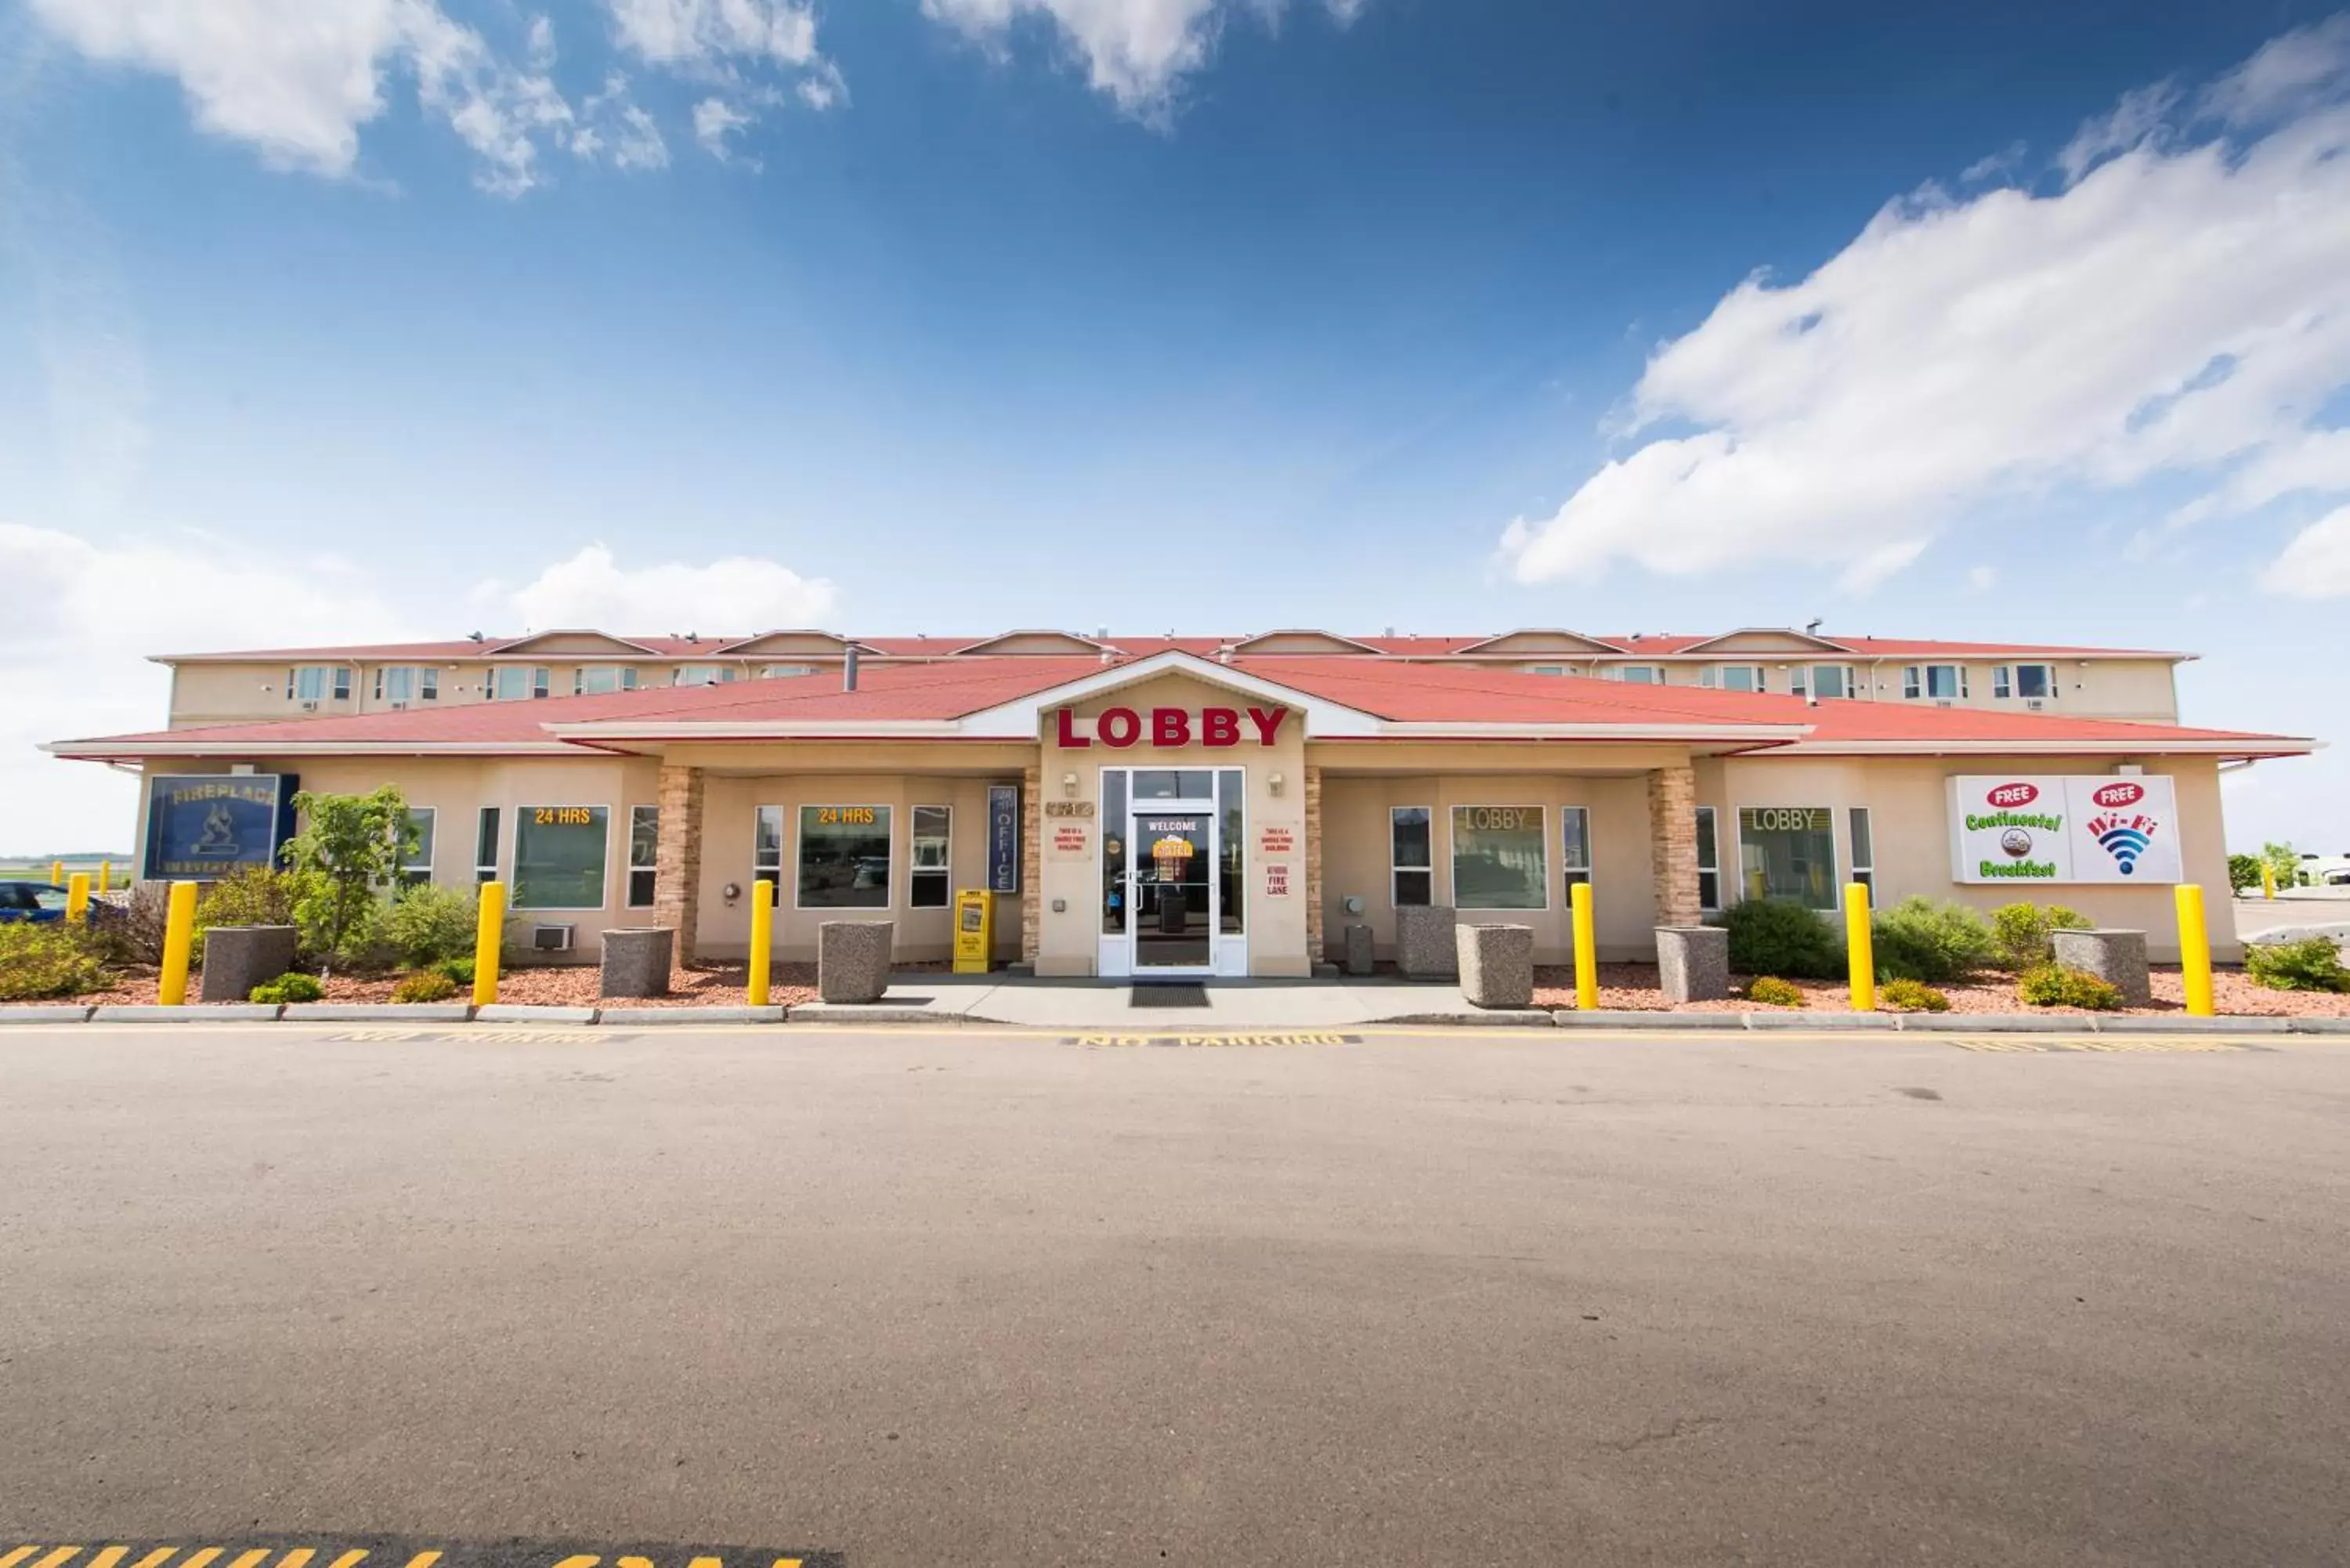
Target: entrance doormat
{"points": [[1168, 995]]}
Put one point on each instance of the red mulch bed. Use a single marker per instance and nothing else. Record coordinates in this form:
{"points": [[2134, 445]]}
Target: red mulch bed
{"points": [[538, 985], [1633, 987]]}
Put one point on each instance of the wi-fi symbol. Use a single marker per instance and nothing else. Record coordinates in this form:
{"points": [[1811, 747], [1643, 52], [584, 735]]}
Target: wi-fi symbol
{"points": [[2124, 844]]}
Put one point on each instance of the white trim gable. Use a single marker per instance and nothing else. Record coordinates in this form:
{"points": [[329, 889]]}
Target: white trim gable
{"points": [[1793, 642], [609, 644], [1557, 642], [1333, 643], [1076, 645], [1022, 718]]}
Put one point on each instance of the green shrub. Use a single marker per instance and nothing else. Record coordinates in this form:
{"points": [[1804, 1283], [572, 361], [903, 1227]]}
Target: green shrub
{"points": [[2243, 873], [1919, 938], [2024, 932], [288, 988], [1912, 996], [251, 895], [426, 986], [430, 923], [1772, 991], [459, 970], [1780, 936], [2054, 986], [53, 960], [2313, 963]]}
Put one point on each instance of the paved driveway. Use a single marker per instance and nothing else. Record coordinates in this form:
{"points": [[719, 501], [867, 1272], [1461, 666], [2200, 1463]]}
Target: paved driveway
{"points": [[947, 1298]]}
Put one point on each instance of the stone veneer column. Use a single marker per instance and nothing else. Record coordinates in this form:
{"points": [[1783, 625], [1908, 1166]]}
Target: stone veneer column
{"points": [[677, 857], [1032, 864], [1672, 844], [1314, 949]]}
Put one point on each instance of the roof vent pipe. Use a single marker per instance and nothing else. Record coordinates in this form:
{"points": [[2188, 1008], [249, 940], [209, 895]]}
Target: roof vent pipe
{"points": [[848, 670]]}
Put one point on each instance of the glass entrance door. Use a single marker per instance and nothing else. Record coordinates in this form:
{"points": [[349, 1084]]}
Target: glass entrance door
{"points": [[1173, 910]]}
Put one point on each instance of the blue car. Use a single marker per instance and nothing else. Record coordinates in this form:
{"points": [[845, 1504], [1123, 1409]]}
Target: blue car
{"points": [[32, 901]]}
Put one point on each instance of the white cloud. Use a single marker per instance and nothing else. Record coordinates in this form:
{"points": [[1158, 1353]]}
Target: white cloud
{"points": [[1135, 51], [1983, 579], [2316, 564], [714, 119], [737, 593], [298, 79], [83, 616], [744, 46], [2182, 309], [609, 120]]}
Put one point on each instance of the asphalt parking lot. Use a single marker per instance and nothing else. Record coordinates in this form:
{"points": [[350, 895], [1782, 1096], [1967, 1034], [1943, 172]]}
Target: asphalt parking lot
{"points": [[904, 1298]]}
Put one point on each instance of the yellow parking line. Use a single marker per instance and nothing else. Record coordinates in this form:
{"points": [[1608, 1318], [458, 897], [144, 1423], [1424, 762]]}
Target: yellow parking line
{"points": [[347, 1560], [157, 1558], [10, 1559], [109, 1558], [203, 1559], [252, 1559], [297, 1558], [59, 1557], [424, 1559]]}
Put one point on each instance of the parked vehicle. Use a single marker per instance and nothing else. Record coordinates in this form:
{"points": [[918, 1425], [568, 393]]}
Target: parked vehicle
{"points": [[37, 901]]}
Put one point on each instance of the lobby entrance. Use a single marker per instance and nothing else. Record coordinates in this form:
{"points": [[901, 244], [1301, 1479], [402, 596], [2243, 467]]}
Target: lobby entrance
{"points": [[1171, 903]]}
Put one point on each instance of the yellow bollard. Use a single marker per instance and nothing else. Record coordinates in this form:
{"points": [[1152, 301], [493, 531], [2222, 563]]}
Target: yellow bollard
{"points": [[1860, 947], [1587, 950], [763, 937], [77, 899], [2268, 880], [489, 932], [2194, 950], [57, 873], [179, 941], [105, 876]]}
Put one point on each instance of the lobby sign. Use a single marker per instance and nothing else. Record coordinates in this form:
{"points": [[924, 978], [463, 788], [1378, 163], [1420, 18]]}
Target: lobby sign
{"points": [[1004, 838], [1169, 728], [203, 827], [2098, 829]]}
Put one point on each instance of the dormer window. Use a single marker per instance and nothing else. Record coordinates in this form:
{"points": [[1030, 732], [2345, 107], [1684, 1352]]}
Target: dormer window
{"points": [[1821, 681]]}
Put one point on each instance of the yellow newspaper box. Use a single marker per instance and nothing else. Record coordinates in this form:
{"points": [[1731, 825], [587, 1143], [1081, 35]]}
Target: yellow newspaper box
{"points": [[974, 931]]}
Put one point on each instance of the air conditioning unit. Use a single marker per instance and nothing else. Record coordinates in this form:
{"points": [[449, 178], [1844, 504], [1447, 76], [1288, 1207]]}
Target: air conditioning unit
{"points": [[551, 939], [310, 705], [399, 707], [2035, 702], [1944, 702]]}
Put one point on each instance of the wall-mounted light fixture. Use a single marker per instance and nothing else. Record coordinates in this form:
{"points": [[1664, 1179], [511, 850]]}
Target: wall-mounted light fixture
{"points": [[1069, 785], [1274, 783]]}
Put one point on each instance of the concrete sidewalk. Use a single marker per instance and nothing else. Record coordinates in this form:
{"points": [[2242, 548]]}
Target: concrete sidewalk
{"points": [[1224, 1004]]}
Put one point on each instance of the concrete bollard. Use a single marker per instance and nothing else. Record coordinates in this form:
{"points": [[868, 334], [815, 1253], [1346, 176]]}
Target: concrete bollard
{"points": [[1693, 963], [179, 941], [763, 943], [2116, 957], [238, 958], [2194, 950], [77, 899], [636, 961], [489, 937], [1860, 947], [1362, 952], [1497, 965], [852, 959], [1587, 948]]}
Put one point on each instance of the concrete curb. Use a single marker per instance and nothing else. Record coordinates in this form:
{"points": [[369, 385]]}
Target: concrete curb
{"points": [[500, 1012], [2317, 1026], [874, 1012], [217, 1012], [2182, 1025], [1804, 1018], [72, 1013], [376, 1013], [635, 1016], [1628, 1018], [1482, 1017], [1998, 1023]]}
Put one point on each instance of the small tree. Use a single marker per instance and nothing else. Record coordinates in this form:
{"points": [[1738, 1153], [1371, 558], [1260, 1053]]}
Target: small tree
{"points": [[2285, 861], [2243, 873], [354, 844]]}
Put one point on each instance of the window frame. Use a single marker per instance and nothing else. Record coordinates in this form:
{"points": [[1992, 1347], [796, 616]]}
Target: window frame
{"points": [[783, 845], [1452, 858], [1568, 871], [487, 821], [1650, 674], [523, 810], [1924, 686], [788, 672], [412, 876], [2007, 681], [624, 676], [534, 684], [1396, 869], [1716, 676], [1740, 819], [1860, 832], [915, 868], [1709, 819], [649, 870], [888, 878], [1803, 680]]}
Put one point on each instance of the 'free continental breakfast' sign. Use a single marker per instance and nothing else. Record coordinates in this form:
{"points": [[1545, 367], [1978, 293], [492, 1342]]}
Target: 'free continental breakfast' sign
{"points": [[2102, 828]]}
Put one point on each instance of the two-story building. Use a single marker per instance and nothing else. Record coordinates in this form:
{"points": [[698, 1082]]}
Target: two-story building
{"points": [[1209, 805]]}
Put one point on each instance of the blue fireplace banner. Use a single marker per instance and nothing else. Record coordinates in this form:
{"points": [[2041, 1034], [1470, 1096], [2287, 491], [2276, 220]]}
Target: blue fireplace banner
{"points": [[1004, 838], [202, 828]]}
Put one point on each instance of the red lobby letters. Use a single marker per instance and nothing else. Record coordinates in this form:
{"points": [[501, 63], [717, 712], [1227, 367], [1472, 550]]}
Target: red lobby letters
{"points": [[1170, 727]]}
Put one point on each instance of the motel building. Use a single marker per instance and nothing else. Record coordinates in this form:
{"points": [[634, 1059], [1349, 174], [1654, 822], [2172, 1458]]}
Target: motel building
{"points": [[1163, 806]]}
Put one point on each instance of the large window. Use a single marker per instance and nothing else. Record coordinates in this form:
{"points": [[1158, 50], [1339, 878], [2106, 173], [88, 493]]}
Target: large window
{"points": [[1733, 677], [416, 864], [787, 671], [1941, 682], [768, 848], [1788, 852], [1574, 843], [704, 675], [559, 857], [1499, 861], [594, 680], [843, 857], [517, 682], [1821, 681], [2036, 682], [1411, 858], [1708, 860], [1231, 804], [1113, 852], [407, 683], [316, 682], [931, 848], [1640, 674], [485, 846], [644, 855]]}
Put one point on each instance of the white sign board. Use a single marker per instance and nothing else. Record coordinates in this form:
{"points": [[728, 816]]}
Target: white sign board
{"points": [[2102, 828]]}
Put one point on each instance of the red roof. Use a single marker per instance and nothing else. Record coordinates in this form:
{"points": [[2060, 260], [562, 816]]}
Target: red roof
{"points": [[1391, 691]]}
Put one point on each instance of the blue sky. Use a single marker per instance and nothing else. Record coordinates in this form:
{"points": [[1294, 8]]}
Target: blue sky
{"points": [[957, 314]]}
